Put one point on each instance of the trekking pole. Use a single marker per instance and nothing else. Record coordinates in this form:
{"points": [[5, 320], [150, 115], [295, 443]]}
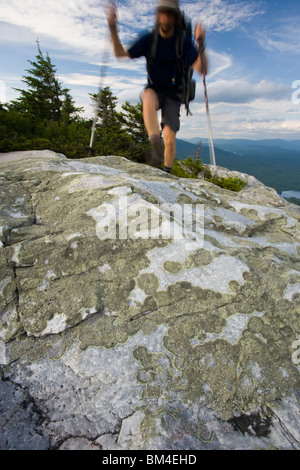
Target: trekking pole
{"points": [[101, 84], [97, 105], [211, 142], [98, 101]]}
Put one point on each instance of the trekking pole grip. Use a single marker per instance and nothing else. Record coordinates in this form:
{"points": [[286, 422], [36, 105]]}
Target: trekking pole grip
{"points": [[201, 49], [201, 45]]}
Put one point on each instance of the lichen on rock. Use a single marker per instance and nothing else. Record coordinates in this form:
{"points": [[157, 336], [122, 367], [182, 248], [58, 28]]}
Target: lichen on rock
{"points": [[118, 336]]}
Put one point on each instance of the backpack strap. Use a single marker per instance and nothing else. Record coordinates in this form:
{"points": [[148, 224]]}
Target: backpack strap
{"points": [[181, 35], [185, 30], [152, 51]]}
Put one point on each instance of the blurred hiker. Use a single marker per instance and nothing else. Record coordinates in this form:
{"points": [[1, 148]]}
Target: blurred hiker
{"points": [[166, 59]]}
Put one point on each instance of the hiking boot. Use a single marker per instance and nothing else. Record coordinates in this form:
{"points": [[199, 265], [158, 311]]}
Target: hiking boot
{"points": [[157, 155], [167, 169]]}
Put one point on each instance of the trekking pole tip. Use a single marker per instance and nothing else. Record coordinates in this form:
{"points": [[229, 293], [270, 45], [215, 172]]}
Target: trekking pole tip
{"points": [[90, 151]]}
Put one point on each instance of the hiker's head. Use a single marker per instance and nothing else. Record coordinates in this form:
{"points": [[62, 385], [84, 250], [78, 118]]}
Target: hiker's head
{"points": [[168, 15], [172, 5]]}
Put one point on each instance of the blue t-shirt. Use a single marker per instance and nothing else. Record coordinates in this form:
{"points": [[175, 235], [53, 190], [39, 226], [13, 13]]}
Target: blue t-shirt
{"points": [[164, 72]]}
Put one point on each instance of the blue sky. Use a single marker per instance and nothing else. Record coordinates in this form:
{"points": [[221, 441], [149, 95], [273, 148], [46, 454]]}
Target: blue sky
{"points": [[253, 50]]}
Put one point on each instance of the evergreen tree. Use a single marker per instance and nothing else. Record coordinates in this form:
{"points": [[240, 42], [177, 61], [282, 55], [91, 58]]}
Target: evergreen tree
{"points": [[68, 107], [110, 137], [44, 116], [44, 96], [133, 124], [120, 133], [106, 103]]}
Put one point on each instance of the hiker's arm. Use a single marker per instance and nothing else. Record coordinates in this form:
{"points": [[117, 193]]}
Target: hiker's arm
{"points": [[112, 24], [199, 35], [118, 48], [197, 65]]}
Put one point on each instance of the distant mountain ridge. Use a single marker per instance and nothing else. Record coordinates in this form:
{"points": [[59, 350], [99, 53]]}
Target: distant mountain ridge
{"points": [[285, 144], [275, 162]]}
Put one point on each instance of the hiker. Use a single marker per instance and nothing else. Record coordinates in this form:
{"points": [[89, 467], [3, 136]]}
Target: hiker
{"points": [[164, 88]]}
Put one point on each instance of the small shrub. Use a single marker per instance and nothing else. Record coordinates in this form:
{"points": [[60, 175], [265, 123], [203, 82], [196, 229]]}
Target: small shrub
{"points": [[233, 183], [191, 168], [178, 170]]}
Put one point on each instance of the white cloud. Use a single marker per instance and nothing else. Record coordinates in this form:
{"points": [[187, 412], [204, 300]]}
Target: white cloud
{"points": [[242, 91], [284, 36], [10, 33], [2, 91], [77, 29], [222, 15], [80, 79], [77, 25], [217, 63], [262, 117], [80, 25], [237, 122], [119, 83]]}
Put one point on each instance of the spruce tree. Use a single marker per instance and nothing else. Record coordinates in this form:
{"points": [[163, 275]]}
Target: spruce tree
{"points": [[44, 97], [133, 123], [110, 137], [107, 103], [120, 133]]}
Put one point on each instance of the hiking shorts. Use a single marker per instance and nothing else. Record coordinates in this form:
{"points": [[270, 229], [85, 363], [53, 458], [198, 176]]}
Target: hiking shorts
{"points": [[170, 109]]}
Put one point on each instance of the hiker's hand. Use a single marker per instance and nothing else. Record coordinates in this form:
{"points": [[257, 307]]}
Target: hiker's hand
{"points": [[111, 15], [199, 33], [201, 63], [112, 20]]}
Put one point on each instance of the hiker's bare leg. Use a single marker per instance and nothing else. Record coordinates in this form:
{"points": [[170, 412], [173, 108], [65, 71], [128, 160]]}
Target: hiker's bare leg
{"points": [[150, 108], [170, 145]]}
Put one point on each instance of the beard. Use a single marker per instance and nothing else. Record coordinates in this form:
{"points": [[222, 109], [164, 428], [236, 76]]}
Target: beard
{"points": [[166, 28]]}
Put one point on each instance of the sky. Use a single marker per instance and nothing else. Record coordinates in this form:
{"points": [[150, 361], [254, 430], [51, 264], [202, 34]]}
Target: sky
{"points": [[253, 48]]}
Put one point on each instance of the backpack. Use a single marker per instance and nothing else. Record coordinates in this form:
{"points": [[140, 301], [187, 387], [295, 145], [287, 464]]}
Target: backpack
{"points": [[186, 72]]}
